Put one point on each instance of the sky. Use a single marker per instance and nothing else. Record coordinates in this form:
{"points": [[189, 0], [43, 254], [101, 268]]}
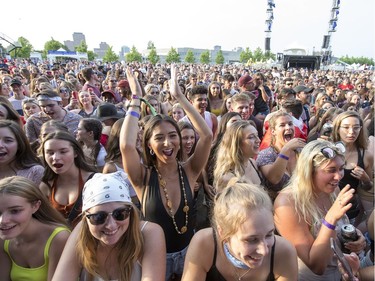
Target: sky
{"points": [[195, 23]]}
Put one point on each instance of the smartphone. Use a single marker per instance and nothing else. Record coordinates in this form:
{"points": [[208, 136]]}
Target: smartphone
{"points": [[341, 258]]}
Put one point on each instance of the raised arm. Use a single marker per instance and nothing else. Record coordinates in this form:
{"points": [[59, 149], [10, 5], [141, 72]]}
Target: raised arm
{"points": [[128, 135], [275, 171], [198, 160], [314, 252]]}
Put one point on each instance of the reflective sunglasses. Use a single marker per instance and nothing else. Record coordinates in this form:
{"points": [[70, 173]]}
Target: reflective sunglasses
{"points": [[330, 153], [119, 214]]}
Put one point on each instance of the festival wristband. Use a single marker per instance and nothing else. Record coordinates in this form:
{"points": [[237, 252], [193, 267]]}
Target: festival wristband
{"points": [[283, 156], [327, 224], [134, 114], [135, 97]]}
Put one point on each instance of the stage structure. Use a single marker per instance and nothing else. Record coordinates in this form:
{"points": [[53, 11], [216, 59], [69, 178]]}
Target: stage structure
{"points": [[13, 45], [332, 25], [269, 20]]}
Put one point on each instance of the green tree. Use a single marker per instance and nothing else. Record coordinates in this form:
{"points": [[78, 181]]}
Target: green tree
{"points": [[205, 57], [110, 55], [360, 60], [258, 55], [153, 56], [150, 45], [52, 45], [133, 55], [190, 58], [269, 55], [82, 47], [172, 56], [219, 57], [24, 51], [246, 55], [91, 55]]}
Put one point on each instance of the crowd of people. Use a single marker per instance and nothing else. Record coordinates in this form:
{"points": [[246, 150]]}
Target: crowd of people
{"points": [[117, 171]]}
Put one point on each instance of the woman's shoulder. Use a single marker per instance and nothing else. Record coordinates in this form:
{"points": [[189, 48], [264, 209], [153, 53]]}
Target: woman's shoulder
{"points": [[284, 266], [284, 198]]}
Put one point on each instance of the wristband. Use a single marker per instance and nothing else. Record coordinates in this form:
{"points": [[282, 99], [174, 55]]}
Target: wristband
{"points": [[327, 224], [283, 156], [134, 114], [135, 97]]}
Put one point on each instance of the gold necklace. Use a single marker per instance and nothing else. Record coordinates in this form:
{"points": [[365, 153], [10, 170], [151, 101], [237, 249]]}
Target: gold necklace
{"points": [[239, 278], [163, 184]]}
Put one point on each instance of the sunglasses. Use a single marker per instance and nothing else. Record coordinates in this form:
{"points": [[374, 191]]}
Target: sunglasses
{"points": [[331, 153], [119, 214], [289, 84]]}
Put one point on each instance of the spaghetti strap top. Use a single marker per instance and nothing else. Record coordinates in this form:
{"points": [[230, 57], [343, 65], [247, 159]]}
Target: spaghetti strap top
{"points": [[33, 274], [214, 275], [65, 209]]}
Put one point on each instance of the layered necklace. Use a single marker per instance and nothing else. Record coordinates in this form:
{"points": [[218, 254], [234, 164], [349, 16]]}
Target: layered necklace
{"points": [[163, 185]]}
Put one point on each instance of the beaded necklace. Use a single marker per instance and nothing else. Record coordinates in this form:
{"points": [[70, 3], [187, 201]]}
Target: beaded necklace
{"points": [[163, 184]]}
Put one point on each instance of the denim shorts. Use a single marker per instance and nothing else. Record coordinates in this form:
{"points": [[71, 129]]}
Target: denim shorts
{"points": [[175, 263]]}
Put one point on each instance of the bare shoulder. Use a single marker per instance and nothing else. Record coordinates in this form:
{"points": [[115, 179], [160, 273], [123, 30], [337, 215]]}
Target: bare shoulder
{"points": [[109, 167], [283, 247], [284, 198], [45, 189], [149, 228], [202, 242]]}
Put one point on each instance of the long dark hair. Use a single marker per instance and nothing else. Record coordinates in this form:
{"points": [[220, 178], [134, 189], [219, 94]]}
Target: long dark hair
{"points": [[150, 160], [113, 143], [79, 160], [25, 157], [94, 126]]}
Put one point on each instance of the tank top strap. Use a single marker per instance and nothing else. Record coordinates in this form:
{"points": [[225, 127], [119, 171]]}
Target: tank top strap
{"points": [[80, 181], [144, 225], [271, 276], [215, 248], [56, 231]]}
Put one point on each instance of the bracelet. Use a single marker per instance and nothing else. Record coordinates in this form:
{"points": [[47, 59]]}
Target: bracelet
{"points": [[134, 106], [283, 156], [134, 114], [135, 97], [327, 224]]}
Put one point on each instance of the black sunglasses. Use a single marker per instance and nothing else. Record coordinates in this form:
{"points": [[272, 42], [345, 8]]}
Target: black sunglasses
{"points": [[119, 214]]}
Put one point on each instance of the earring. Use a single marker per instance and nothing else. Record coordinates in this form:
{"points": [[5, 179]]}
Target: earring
{"points": [[152, 152]]}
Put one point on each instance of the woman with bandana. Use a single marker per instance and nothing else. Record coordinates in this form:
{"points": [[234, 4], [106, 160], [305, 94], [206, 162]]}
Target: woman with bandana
{"points": [[111, 243]]}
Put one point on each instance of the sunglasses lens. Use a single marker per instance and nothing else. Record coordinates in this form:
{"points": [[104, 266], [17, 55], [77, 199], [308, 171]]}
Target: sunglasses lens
{"points": [[121, 214], [98, 218], [328, 153], [118, 214]]}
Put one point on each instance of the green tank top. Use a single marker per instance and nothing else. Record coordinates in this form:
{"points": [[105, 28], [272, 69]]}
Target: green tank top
{"points": [[19, 273]]}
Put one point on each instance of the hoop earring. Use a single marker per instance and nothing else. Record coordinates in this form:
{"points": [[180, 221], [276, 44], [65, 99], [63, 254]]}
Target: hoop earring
{"points": [[152, 152]]}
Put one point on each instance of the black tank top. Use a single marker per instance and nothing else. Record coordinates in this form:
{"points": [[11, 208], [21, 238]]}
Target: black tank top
{"points": [[214, 275], [156, 212], [354, 183]]}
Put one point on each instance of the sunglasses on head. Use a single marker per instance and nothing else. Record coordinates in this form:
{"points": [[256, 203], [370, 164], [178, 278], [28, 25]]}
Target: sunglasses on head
{"points": [[330, 153], [119, 214]]}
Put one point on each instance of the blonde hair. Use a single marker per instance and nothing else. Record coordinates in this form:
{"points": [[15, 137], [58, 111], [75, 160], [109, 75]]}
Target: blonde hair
{"points": [[301, 184], [129, 248], [230, 157], [25, 188], [231, 206]]}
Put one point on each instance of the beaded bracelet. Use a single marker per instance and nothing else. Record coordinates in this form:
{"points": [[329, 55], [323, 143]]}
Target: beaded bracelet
{"points": [[283, 156], [134, 114], [327, 224]]}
